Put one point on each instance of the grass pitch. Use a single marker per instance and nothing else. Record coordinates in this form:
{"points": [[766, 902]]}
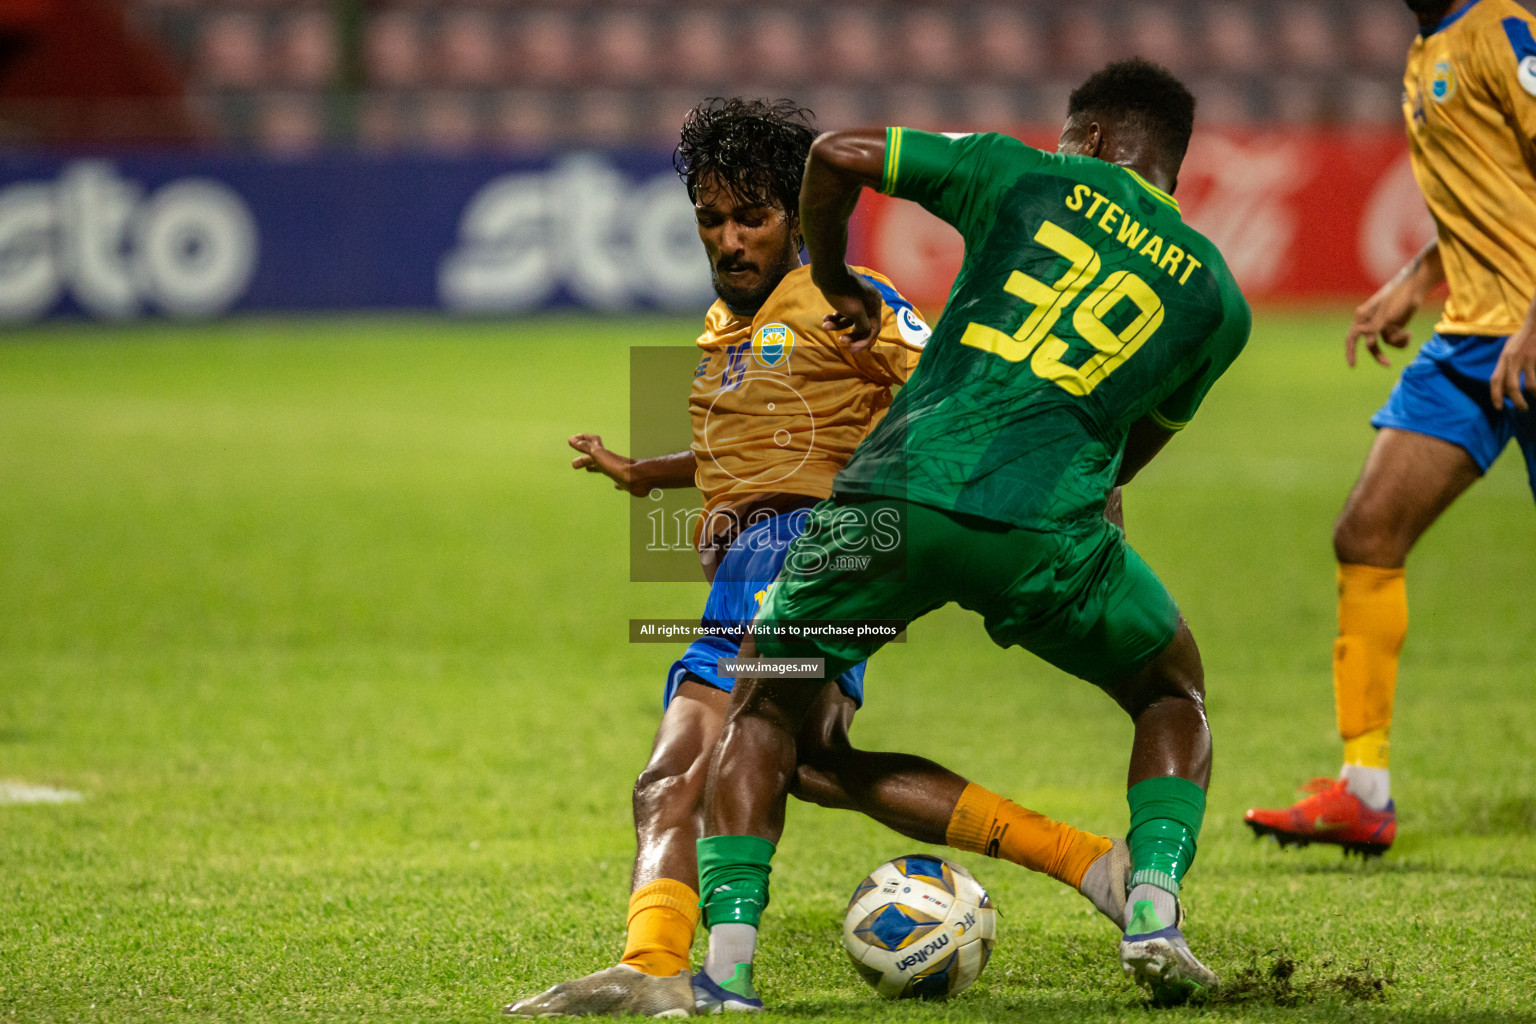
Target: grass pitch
{"points": [[332, 643]]}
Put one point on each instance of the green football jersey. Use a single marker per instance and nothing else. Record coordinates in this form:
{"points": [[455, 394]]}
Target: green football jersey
{"points": [[1083, 304]]}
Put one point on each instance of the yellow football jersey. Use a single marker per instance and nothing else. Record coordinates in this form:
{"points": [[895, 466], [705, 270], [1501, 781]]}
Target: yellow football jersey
{"points": [[779, 404], [1470, 100]]}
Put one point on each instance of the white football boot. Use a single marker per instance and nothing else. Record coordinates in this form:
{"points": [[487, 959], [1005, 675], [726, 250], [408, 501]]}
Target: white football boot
{"points": [[613, 992]]}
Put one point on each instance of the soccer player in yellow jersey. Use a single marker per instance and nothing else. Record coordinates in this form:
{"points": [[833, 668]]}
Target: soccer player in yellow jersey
{"points": [[779, 403], [1470, 102]]}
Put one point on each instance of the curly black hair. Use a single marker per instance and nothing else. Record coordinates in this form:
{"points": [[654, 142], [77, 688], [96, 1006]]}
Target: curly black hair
{"points": [[755, 148], [1138, 94]]}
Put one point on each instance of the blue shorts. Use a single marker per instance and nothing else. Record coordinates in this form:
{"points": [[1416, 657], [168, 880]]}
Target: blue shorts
{"points": [[746, 570], [1444, 393]]}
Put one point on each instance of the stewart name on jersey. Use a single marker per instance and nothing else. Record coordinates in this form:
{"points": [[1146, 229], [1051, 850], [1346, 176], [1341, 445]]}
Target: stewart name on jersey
{"points": [[1083, 304]]}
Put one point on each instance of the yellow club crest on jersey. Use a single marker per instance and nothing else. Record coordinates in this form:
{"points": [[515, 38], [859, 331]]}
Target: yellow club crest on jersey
{"points": [[772, 344], [1442, 84]]}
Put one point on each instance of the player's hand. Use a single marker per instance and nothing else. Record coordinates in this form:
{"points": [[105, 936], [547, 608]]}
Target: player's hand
{"points": [[1383, 318], [1517, 359], [855, 312], [594, 458]]}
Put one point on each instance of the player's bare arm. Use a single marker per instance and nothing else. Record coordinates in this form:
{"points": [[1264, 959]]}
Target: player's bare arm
{"points": [[637, 476], [1384, 316], [840, 166], [1518, 359], [1142, 443]]}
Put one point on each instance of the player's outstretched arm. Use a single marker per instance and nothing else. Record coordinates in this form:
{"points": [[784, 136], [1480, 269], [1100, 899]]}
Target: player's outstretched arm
{"points": [[1518, 357], [1384, 316], [841, 165], [637, 476]]}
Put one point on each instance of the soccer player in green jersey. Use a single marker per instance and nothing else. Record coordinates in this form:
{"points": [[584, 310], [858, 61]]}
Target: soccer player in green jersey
{"points": [[1085, 327]]}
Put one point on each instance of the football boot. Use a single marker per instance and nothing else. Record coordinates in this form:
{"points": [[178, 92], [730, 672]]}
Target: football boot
{"points": [[1157, 958], [1330, 814], [734, 995], [616, 991]]}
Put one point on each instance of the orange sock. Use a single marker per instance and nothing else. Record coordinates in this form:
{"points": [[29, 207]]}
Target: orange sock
{"points": [[983, 822], [1373, 621], [662, 917]]}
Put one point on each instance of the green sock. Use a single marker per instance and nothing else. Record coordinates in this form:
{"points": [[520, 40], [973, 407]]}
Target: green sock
{"points": [[733, 879], [1166, 814]]}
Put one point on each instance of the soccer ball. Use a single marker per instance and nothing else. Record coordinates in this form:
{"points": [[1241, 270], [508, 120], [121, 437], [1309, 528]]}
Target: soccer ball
{"points": [[919, 927]]}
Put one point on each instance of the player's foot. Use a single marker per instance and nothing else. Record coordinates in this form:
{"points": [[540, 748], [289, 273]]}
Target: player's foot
{"points": [[1107, 882], [614, 992], [733, 995], [1331, 814], [1157, 958]]}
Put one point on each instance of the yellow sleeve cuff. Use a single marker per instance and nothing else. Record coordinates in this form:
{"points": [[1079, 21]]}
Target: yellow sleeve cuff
{"points": [[892, 159]]}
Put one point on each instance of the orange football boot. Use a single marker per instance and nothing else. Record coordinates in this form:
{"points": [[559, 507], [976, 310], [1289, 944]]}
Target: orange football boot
{"points": [[1331, 814]]}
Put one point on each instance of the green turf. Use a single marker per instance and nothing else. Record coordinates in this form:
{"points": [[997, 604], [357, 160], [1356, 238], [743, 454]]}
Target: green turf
{"points": [[333, 642]]}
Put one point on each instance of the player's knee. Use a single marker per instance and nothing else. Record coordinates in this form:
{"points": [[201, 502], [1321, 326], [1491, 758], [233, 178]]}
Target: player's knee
{"points": [[672, 786], [1351, 538], [1169, 685], [823, 752], [1183, 681], [1175, 674], [1368, 535], [818, 770], [808, 784]]}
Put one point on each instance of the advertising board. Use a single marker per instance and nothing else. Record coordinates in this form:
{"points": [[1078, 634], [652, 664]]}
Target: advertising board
{"points": [[1297, 215]]}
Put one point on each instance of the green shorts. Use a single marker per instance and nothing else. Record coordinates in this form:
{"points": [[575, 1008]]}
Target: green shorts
{"points": [[1082, 600]]}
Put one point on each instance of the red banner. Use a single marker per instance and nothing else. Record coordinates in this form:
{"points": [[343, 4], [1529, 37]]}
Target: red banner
{"points": [[1298, 215]]}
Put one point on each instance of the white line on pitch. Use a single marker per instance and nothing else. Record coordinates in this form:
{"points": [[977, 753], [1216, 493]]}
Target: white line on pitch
{"points": [[22, 793]]}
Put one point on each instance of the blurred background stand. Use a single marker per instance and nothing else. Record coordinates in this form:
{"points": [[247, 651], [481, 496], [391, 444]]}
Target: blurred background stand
{"points": [[291, 76], [76, 72]]}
